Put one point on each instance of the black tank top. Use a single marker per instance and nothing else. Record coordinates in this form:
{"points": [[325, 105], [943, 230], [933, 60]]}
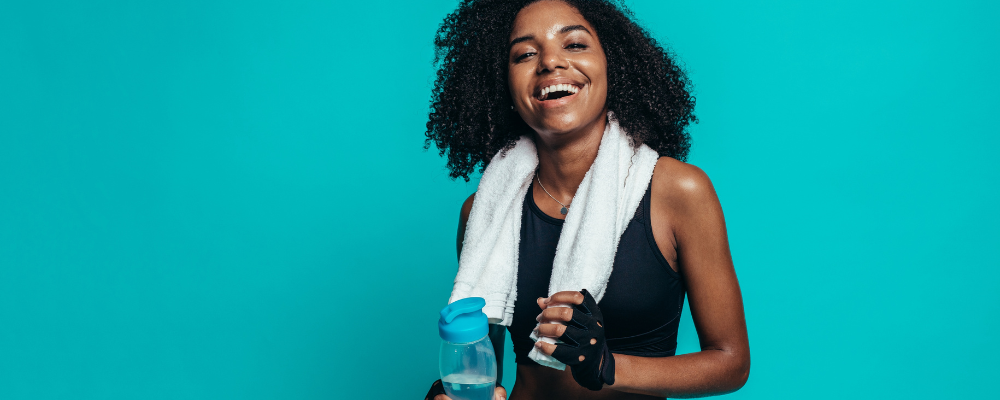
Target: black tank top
{"points": [[643, 300]]}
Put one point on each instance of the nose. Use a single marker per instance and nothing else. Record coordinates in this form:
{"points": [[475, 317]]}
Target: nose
{"points": [[551, 60]]}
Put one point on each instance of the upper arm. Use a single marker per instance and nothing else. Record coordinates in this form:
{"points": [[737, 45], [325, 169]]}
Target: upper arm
{"points": [[463, 218], [704, 259]]}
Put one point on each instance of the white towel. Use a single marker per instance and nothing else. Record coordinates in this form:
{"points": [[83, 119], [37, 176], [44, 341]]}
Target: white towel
{"points": [[600, 211]]}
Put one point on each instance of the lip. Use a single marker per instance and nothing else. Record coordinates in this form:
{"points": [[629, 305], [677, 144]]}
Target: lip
{"points": [[557, 102]]}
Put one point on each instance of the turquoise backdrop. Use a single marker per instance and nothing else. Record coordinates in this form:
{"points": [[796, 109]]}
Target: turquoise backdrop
{"points": [[230, 200]]}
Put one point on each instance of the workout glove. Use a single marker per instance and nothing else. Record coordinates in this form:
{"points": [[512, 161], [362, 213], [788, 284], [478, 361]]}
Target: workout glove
{"points": [[436, 389], [584, 336]]}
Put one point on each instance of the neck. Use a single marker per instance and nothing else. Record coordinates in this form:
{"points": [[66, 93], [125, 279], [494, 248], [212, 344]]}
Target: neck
{"points": [[564, 160]]}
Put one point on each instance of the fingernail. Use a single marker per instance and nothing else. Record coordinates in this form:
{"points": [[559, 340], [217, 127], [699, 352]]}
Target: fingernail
{"points": [[546, 300]]}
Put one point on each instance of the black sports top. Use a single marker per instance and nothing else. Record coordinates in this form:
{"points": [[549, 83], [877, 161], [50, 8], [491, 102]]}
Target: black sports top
{"points": [[643, 300]]}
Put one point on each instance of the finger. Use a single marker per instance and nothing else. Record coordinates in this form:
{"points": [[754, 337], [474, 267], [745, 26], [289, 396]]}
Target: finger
{"points": [[567, 355], [568, 334], [541, 302], [555, 314], [500, 393], [573, 337], [545, 348], [567, 297], [551, 330]]}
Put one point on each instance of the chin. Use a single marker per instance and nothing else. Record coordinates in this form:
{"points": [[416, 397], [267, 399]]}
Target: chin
{"points": [[563, 124]]}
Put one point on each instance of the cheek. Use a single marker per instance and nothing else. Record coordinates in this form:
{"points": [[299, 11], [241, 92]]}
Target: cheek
{"points": [[600, 73], [515, 93], [596, 70], [518, 80], [599, 78]]}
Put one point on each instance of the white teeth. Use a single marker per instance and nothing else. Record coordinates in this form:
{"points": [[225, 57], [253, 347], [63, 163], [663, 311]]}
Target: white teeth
{"points": [[563, 87]]}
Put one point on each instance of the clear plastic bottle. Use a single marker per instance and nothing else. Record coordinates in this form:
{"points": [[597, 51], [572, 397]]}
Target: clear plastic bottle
{"points": [[467, 364]]}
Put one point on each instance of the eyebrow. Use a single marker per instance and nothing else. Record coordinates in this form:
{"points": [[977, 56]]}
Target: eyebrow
{"points": [[565, 29]]}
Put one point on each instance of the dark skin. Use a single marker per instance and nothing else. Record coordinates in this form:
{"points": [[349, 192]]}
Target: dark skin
{"points": [[553, 43]]}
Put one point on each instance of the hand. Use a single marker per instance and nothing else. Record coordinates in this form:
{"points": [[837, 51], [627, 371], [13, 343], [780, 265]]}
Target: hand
{"points": [[437, 392], [581, 328]]}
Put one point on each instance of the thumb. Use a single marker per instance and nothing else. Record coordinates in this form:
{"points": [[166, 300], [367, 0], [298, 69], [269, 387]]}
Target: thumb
{"points": [[500, 393]]}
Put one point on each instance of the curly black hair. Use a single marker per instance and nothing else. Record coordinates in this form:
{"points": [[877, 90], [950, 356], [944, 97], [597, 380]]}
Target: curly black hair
{"points": [[471, 117]]}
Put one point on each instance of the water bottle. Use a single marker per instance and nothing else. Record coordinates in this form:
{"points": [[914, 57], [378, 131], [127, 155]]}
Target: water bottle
{"points": [[467, 364]]}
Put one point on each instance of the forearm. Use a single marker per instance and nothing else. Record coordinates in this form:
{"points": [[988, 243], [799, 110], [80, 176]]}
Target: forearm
{"points": [[705, 373]]}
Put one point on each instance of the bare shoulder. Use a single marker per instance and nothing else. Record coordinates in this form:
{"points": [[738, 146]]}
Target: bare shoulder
{"points": [[681, 185], [467, 208], [462, 220]]}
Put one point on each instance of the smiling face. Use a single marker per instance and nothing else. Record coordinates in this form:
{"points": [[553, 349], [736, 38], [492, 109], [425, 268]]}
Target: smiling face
{"points": [[557, 70]]}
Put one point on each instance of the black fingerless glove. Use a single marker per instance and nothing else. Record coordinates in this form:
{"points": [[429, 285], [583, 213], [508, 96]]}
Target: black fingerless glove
{"points": [[584, 336], [436, 389]]}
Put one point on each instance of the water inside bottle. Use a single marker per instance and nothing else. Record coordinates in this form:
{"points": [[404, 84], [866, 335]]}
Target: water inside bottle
{"points": [[468, 387]]}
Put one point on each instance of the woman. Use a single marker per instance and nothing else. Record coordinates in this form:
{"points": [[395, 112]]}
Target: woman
{"points": [[552, 70]]}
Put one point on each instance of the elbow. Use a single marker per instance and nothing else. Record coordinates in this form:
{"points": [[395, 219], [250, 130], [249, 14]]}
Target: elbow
{"points": [[741, 380], [735, 380], [740, 373], [736, 372]]}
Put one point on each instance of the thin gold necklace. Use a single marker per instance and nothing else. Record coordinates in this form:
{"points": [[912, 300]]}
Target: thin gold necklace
{"points": [[565, 208]]}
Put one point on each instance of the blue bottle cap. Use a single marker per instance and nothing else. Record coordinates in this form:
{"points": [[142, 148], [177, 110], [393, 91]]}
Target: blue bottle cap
{"points": [[464, 321]]}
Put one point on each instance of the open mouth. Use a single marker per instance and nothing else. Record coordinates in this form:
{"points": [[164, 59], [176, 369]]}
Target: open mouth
{"points": [[557, 92]]}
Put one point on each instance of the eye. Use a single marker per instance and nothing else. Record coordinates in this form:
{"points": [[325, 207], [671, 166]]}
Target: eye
{"points": [[576, 46], [523, 56]]}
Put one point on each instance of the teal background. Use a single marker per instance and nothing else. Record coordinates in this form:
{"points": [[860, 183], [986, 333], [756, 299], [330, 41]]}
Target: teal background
{"points": [[229, 200]]}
